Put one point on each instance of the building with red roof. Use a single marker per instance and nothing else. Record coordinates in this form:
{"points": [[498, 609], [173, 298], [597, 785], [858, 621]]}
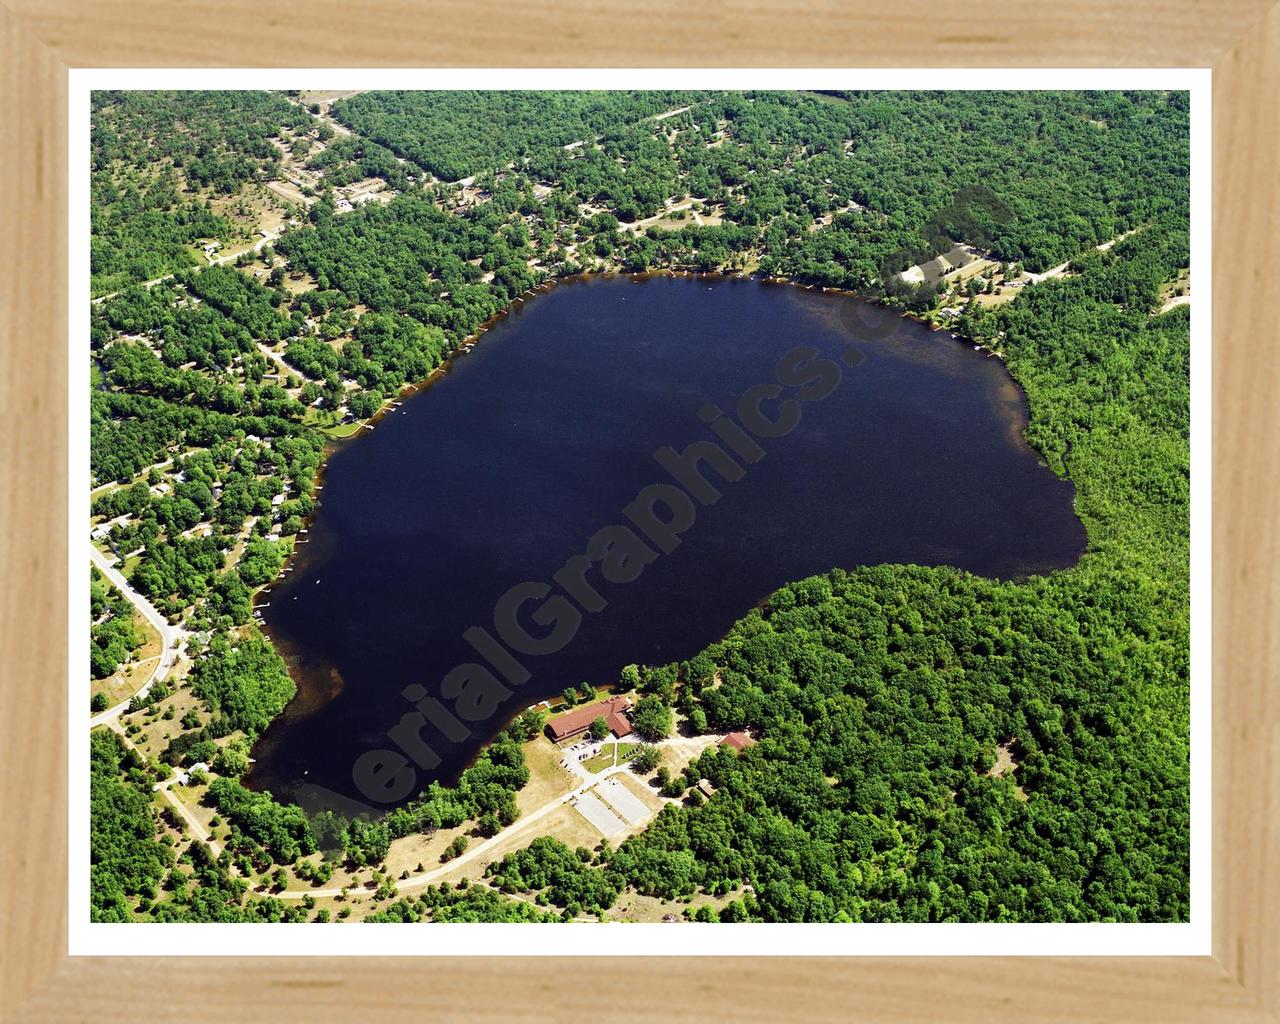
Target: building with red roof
{"points": [[574, 723]]}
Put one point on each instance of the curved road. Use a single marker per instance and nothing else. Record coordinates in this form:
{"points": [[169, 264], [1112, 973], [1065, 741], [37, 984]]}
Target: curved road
{"points": [[169, 635], [217, 261]]}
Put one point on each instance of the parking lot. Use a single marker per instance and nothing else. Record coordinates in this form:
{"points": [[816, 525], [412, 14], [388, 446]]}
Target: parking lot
{"points": [[575, 754], [596, 811], [623, 801]]}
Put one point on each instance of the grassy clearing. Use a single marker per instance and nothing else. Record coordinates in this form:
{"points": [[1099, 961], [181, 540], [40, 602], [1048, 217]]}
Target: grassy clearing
{"points": [[547, 778], [296, 282], [343, 429], [325, 420], [155, 730], [564, 823], [638, 909], [1177, 292], [605, 759], [407, 853]]}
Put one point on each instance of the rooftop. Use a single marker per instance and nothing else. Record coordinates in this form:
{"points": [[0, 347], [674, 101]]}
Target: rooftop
{"points": [[612, 710]]}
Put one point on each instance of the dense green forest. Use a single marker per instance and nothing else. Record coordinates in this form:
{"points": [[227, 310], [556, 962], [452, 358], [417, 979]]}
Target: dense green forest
{"points": [[456, 134], [403, 257], [134, 871], [127, 859], [881, 693], [879, 696], [156, 159]]}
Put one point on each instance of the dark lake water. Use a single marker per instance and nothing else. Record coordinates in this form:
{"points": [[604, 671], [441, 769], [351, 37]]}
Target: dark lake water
{"points": [[503, 470]]}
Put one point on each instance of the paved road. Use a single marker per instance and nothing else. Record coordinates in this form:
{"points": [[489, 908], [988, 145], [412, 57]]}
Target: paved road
{"points": [[689, 744], [169, 635], [278, 359]]}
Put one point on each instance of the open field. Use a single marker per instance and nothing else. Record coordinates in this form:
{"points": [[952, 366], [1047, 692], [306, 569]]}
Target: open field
{"points": [[326, 96], [289, 192], [161, 722], [425, 849], [636, 908], [563, 823], [548, 779], [958, 258], [296, 282], [343, 429], [680, 750]]}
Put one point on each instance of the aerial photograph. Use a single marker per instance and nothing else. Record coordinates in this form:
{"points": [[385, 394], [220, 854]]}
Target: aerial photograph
{"points": [[653, 506]]}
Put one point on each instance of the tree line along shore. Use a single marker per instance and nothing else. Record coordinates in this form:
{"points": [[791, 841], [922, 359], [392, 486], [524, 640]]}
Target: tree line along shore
{"points": [[880, 696]]}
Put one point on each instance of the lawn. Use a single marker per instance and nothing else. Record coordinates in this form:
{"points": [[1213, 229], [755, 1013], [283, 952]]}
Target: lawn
{"points": [[604, 759], [343, 429]]}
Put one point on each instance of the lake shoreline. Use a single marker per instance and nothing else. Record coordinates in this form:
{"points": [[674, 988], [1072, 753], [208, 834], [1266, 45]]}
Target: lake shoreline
{"points": [[313, 692], [336, 443]]}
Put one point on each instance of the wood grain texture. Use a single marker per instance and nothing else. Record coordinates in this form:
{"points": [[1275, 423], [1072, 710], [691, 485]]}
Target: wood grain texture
{"points": [[40, 38], [656, 33], [687, 991], [33, 508], [1246, 370]]}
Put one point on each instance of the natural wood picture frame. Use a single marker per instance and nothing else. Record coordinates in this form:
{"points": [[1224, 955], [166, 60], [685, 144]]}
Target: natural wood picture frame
{"points": [[41, 39]]}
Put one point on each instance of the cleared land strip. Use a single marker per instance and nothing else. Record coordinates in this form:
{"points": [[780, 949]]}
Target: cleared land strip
{"points": [[415, 881], [1061, 269]]}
